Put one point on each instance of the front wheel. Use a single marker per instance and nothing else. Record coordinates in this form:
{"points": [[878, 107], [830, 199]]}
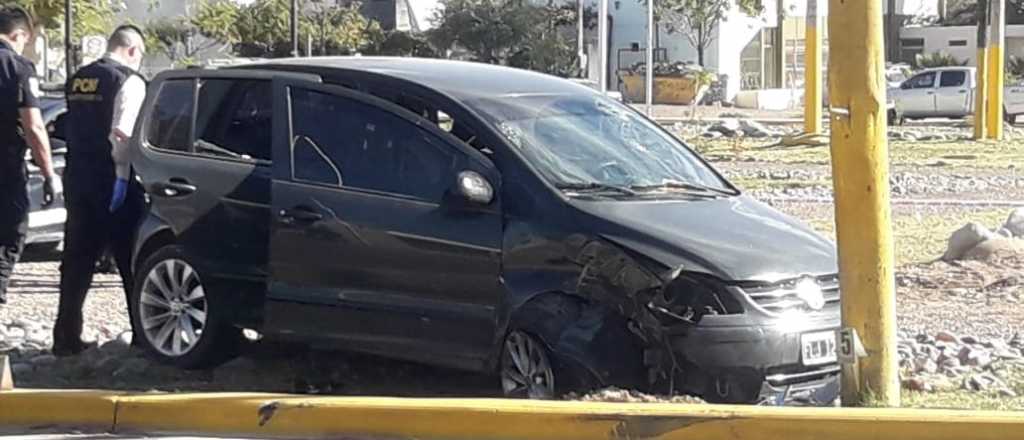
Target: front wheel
{"points": [[181, 324], [526, 370]]}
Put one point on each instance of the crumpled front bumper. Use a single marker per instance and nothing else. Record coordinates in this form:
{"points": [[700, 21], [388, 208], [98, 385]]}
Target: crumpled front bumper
{"points": [[762, 357]]}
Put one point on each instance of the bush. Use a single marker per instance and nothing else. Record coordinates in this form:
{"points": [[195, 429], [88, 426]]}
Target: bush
{"points": [[938, 59]]}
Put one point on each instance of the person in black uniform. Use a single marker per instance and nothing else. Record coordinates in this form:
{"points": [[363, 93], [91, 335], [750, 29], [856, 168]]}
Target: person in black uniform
{"points": [[21, 126], [104, 202]]}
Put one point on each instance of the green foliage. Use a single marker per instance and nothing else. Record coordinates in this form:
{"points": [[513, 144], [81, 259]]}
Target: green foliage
{"points": [[1015, 67], [399, 43], [90, 17], [938, 59], [262, 28], [697, 19], [176, 38], [512, 32]]}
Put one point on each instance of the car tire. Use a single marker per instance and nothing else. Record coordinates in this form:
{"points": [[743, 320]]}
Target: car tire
{"points": [[1010, 119], [575, 336], [179, 318], [526, 367]]}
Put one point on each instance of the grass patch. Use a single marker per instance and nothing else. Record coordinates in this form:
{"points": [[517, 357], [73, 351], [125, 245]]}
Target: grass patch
{"points": [[922, 238], [955, 154]]}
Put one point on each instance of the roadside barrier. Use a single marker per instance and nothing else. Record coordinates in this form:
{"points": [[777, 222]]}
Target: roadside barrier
{"points": [[482, 419]]}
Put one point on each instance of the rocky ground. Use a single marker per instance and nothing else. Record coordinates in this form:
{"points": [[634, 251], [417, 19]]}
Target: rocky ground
{"points": [[961, 319]]}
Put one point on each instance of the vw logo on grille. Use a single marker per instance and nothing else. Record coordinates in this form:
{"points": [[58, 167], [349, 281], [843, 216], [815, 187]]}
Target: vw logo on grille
{"points": [[809, 291]]}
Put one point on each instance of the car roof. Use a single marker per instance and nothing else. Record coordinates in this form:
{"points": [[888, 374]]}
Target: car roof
{"points": [[458, 79], [945, 68]]}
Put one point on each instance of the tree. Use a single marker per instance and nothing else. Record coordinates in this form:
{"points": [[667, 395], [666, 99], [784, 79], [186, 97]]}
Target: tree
{"points": [[89, 16], [511, 32], [262, 28], [966, 14], [698, 19], [178, 39]]}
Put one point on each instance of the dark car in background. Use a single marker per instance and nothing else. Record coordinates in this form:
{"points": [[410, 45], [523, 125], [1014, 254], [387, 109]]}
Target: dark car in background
{"points": [[46, 225], [468, 216]]}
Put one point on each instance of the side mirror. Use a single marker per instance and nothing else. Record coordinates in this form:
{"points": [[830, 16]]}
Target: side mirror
{"points": [[475, 188]]}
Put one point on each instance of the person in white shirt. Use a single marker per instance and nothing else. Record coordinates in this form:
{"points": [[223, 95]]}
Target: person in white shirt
{"points": [[103, 200]]}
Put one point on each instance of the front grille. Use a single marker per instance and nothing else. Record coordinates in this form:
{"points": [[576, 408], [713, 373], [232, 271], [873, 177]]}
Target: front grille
{"points": [[782, 297]]}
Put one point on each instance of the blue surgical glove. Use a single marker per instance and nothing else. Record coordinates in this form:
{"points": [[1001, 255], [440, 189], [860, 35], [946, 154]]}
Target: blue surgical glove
{"points": [[119, 193]]}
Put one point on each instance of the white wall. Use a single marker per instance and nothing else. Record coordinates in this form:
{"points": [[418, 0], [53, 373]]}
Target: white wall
{"points": [[937, 38]]}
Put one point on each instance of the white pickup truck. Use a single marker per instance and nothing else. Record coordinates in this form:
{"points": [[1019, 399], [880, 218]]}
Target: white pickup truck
{"points": [[947, 92]]}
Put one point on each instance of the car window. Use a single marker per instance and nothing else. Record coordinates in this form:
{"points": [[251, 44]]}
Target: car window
{"points": [[234, 119], [923, 81], [371, 148], [170, 124], [954, 78]]}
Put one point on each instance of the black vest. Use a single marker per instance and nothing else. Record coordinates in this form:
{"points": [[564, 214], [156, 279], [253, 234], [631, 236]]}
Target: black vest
{"points": [[90, 94]]}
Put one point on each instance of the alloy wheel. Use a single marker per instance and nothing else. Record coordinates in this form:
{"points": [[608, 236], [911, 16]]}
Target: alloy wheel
{"points": [[173, 308], [526, 371]]}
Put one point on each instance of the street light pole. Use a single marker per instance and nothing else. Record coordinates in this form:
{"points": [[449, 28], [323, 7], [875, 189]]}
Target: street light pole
{"points": [[649, 80], [69, 62], [294, 28], [602, 30]]}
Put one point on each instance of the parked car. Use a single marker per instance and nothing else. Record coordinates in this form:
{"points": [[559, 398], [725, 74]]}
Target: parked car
{"points": [[948, 92], [546, 234], [46, 225], [614, 94]]}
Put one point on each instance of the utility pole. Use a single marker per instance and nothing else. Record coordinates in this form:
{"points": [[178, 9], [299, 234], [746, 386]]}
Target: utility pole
{"points": [[981, 76], [69, 50], [294, 28], [581, 45], [649, 79], [996, 75], [602, 30], [812, 71], [860, 167]]}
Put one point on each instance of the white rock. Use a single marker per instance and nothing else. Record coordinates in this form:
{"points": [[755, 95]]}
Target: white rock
{"points": [[1015, 223], [27, 324], [15, 334], [965, 239]]}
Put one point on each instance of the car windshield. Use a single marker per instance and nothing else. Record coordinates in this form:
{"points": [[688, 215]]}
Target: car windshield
{"points": [[594, 142]]}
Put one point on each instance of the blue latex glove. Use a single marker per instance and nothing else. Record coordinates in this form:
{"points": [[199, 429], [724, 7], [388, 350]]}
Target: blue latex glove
{"points": [[119, 193]]}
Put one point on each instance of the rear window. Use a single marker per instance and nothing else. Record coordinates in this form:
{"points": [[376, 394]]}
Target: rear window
{"points": [[953, 79], [170, 124], [234, 119]]}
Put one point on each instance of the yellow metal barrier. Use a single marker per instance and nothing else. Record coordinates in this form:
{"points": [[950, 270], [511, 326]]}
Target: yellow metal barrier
{"points": [[484, 419]]}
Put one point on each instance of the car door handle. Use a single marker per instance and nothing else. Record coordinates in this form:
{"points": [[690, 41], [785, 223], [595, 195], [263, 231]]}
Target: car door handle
{"points": [[175, 187], [931, 93], [962, 92], [299, 215]]}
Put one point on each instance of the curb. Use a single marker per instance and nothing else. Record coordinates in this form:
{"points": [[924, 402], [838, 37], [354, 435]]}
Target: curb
{"points": [[484, 419], [94, 410]]}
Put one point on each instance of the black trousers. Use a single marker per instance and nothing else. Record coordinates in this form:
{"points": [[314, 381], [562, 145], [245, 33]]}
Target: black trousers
{"points": [[91, 229], [13, 228]]}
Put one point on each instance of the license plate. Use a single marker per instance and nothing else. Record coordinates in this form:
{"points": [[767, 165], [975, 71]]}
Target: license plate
{"points": [[818, 348]]}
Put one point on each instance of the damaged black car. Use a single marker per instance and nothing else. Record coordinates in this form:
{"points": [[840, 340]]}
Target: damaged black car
{"points": [[468, 216]]}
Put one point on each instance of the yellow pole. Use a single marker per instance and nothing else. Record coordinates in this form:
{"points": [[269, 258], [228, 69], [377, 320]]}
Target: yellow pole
{"points": [[812, 71], [860, 169], [981, 79], [997, 24]]}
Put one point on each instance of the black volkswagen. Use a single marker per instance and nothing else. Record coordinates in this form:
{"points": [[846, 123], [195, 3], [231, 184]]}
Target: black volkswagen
{"points": [[468, 216]]}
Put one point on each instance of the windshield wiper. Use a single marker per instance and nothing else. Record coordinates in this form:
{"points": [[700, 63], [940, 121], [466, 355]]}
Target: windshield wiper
{"points": [[595, 187], [684, 186]]}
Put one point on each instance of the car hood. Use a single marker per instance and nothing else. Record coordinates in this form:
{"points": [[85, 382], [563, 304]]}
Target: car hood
{"points": [[736, 238]]}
